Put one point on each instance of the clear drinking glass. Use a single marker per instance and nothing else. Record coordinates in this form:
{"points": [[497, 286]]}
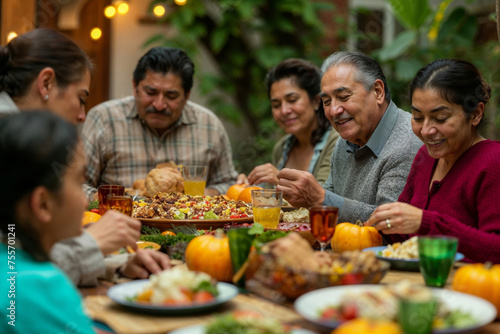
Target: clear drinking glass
{"points": [[123, 204], [266, 207], [195, 179], [107, 190], [323, 220]]}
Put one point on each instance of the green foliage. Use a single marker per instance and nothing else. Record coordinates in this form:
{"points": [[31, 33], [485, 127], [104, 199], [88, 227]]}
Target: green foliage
{"points": [[411, 13], [245, 38], [93, 205], [440, 34], [150, 230], [168, 240]]}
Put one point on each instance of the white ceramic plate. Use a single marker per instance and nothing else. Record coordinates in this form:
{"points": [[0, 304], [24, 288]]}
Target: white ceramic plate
{"points": [[200, 329], [121, 293], [400, 264], [310, 304]]}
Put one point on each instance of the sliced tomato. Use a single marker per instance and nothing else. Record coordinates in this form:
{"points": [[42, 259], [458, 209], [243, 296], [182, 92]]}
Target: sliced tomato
{"points": [[203, 297], [330, 313], [349, 312]]}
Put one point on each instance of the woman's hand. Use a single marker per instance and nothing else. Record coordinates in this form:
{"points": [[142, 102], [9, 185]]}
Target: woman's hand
{"points": [[145, 262], [265, 173], [395, 218], [114, 231]]}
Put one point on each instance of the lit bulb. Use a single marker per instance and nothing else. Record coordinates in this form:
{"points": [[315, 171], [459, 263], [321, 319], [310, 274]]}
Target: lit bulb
{"points": [[10, 36], [109, 11], [180, 2], [159, 10], [122, 8], [95, 33]]}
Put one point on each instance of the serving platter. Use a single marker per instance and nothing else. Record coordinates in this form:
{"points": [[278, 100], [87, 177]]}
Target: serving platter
{"points": [[402, 264], [200, 329], [310, 304], [122, 293], [201, 224]]}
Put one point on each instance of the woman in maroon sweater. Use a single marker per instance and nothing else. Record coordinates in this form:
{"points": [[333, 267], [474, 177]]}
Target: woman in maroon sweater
{"points": [[454, 181]]}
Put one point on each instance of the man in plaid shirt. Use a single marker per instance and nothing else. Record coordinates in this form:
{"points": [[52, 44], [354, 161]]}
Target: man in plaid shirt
{"points": [[126, 138]]}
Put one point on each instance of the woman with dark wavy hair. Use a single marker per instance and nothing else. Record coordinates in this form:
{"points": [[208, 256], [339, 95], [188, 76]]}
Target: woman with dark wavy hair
{"points": [[44, 69], [293, 87], [42, 203], [453, 184]]}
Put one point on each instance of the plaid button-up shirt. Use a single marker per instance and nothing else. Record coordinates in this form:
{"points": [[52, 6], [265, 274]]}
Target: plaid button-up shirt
{"points": [[120, 148]]}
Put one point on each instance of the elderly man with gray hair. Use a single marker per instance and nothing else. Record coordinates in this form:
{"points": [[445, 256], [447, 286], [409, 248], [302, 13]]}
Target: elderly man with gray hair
{"points": [[370, 163]]}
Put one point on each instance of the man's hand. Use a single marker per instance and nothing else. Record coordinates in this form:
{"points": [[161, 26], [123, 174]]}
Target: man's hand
{"points": [[300, 188], [114, 231], [242, 179], [265, 173], [211, 192], [145, 262]]}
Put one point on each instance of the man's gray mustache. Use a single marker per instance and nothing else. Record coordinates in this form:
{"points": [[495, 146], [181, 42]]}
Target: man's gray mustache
{"points": [[160, 112]]}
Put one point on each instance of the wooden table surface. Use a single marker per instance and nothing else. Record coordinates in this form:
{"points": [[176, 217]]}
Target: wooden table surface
{"points": [[123, 321]]}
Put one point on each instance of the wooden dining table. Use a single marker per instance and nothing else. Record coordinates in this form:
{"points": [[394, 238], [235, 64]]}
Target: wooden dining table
{"points": [[124, 321]]}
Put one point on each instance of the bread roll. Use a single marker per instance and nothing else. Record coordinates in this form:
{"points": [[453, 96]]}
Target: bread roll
{"points": [[165, 179]]}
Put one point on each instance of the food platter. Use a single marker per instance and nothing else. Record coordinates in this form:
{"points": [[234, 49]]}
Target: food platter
{"points": [[310, 304], [401, 264], [200, 329], [201, 224], [121, 294]]}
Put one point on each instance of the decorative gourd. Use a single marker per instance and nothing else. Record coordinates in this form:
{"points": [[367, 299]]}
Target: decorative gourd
{"points": [[482, 280], [349, 236], [366, 326], [210, 254]]}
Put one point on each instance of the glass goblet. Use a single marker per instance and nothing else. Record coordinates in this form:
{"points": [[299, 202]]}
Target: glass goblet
{"points": [[323, 220]]}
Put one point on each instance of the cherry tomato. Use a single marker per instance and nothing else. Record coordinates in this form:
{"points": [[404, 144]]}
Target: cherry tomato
{"points": [[94, 210]]}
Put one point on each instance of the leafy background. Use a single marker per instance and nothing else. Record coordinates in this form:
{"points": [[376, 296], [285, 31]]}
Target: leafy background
{"points": [[245, 38]]}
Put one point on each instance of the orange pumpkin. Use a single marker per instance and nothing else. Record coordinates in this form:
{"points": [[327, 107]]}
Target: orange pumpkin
{"points": [[366, 326], [210, 254], [482, 280], [349, 236], [235, 190], [246, 194]]}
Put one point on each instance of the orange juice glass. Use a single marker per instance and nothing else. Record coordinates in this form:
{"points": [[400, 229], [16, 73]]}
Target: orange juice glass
{"points": [[195, 179], [266, 207]]}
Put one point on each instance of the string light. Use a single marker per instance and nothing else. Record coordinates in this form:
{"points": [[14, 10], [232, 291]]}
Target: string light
{"points": [[109, 11], [122, 7], [180, 2], [95, 33], [11, 35], [159, 10]]}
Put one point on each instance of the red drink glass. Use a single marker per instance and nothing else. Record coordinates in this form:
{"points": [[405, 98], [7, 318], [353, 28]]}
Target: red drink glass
{"points": [[107, 190], [323, 220]]}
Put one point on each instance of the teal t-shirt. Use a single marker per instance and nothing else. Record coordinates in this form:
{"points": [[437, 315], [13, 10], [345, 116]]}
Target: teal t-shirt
{"points": [[37, 297]]}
